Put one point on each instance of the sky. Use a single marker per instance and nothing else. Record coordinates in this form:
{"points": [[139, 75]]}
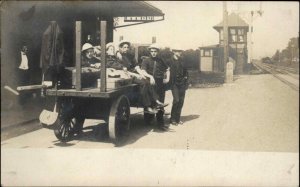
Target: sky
{"points": [[189, 24]]}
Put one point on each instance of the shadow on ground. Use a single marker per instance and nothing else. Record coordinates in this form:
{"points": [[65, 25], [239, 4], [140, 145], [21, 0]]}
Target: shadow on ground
{"points": [[138, 129], [189, 117], [99, 133]]}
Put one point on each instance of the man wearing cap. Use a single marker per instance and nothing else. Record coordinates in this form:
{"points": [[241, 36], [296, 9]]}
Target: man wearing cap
{"points": [[127, 60], [178, 85], [23, 72], [149, 97], [88, 56], [154, 68]]}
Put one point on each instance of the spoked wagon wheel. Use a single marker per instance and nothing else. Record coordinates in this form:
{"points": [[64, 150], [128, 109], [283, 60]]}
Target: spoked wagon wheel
{"points": [[67, 125], [119, 118]]}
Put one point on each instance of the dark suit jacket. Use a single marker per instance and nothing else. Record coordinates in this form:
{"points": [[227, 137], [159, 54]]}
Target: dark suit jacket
{"points": [[173, 71]]}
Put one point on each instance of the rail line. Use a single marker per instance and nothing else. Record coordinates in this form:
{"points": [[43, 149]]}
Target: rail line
{"points": [[279, 70], [284, 70]]}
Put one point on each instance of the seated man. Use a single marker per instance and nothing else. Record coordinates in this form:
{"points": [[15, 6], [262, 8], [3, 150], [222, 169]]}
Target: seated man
{"points": [[157, 71], [149, 97]]}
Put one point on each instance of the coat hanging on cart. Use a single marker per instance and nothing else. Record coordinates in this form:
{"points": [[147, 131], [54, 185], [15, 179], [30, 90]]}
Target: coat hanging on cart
{"points": [[52, 52]]}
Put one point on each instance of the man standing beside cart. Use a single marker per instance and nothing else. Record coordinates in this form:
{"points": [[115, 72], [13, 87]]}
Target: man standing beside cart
{"points": [[156, 69], [178, 84]]}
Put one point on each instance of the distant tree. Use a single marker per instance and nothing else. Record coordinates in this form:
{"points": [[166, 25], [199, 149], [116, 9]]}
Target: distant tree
{"points": [[165, 54], [143, 51], [289, 53], [293, 48], [191, 59], [276, 56], [284, 55]]}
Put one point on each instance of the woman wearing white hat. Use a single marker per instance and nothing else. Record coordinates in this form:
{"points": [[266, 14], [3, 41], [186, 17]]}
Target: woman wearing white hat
{"points": [[112, 60], [88, 56]]}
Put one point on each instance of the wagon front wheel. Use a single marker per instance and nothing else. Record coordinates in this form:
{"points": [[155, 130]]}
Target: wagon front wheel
{"points": [[119, 118]]}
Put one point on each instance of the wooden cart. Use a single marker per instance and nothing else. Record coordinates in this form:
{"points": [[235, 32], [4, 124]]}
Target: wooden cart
{"points": [[77, 104]]}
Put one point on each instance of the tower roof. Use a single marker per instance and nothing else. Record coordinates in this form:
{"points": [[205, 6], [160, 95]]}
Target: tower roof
{"points": [[233, 21]]}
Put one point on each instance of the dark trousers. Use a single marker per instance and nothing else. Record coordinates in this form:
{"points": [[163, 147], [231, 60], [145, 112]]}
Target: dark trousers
{"points": [[178, 92], [161, 92], [147, 92], [24, 80], [24, 77]]}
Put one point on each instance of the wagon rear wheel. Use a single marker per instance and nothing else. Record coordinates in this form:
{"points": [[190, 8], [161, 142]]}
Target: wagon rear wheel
{"points": [[119, 118], [68, 124], [66, 128]]}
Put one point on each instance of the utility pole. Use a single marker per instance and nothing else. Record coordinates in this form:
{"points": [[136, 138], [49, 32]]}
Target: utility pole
{"points": [[154, 39], [225, 34], [252, 17], [250, 37]]}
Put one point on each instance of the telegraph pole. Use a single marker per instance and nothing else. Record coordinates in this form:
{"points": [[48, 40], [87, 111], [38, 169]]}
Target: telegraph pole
{"points": [[225, 34], [154, 39], [250, 38], [250, 41]]}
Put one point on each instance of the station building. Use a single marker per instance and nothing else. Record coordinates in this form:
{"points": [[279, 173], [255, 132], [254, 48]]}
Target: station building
{"points": [[212, 57]]}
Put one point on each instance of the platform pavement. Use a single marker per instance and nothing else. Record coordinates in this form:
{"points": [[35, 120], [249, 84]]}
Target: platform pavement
{"points": [[17, 114]]}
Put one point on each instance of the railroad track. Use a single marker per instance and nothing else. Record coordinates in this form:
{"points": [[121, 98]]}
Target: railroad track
{"points": [[284, 70], [289, 76]]}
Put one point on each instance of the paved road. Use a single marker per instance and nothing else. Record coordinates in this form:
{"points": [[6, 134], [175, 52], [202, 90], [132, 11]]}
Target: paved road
{"points": [[256, 116]]}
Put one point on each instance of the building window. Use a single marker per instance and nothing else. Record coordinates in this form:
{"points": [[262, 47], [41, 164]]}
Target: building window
{"points": [[237, 35], [233, 38], [233, 35], [240, 31], [241, 35], [232, 31], [206, 53], [241, 38]]}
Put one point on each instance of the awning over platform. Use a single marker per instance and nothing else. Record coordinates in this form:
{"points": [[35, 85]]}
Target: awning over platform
{"points": [[79, 9]]}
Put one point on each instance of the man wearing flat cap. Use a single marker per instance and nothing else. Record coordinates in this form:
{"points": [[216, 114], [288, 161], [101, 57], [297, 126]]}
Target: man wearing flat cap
{"points": [[128, 61], [178, 84], [155, 69]]}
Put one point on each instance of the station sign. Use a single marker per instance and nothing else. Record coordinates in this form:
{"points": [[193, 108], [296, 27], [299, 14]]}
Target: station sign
{"points": [[138, 18]]}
